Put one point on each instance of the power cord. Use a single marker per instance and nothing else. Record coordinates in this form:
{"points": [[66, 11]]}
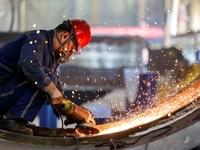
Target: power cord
{"points": [[112, 144], [59, 115], [115, 147]]}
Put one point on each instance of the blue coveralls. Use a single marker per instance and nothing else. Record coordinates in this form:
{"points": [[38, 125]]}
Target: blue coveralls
{"points": [[27, 65]]}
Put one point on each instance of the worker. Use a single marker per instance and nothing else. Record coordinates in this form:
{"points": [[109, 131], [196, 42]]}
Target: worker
{"points": [[28, 71]]}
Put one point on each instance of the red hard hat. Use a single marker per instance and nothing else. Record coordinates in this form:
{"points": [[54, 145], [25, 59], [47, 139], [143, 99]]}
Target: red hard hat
{"points": [[82, 31]]}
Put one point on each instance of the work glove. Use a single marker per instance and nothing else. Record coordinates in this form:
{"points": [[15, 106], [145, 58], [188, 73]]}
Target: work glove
{"points": [[55, 95]]}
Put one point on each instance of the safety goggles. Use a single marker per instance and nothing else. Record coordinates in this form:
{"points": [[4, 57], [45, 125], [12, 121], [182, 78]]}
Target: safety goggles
{"points": [[78, 47], [74, 40]]}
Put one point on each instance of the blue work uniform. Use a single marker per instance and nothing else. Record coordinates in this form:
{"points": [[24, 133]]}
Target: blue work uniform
{"points": [[27, 65]]}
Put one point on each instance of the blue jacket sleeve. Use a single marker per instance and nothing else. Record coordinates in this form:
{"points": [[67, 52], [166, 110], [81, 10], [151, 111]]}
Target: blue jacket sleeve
{"points": [[31, 59]]}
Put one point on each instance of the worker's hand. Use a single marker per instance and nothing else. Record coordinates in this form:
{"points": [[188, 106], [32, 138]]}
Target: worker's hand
{"points": [[55, 95]]}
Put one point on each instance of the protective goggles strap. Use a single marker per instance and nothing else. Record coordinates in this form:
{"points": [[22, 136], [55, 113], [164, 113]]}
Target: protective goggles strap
{"points": [[61, 44]]}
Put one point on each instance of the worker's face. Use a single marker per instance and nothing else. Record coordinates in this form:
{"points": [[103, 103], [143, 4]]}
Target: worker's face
{"points": [[68, 49]]}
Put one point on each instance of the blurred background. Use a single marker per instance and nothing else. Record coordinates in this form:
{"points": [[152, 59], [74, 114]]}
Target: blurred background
{"points": [[141, 52]]}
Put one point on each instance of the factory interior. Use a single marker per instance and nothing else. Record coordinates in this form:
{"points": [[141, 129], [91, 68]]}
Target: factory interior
{"points": [[139, 75]]}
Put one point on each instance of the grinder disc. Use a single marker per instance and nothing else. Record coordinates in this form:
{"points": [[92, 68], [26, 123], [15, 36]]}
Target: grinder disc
{"points": [[87, 128]]}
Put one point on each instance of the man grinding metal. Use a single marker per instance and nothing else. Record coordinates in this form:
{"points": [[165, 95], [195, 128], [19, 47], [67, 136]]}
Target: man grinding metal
{"points": [[28, 74]]}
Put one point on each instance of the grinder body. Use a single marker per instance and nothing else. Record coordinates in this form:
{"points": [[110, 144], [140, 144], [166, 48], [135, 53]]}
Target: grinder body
{"points": [[76, 113]]}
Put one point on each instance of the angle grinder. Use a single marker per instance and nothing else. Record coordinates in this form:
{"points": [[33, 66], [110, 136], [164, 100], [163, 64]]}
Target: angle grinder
{"points": [[80, 115]]}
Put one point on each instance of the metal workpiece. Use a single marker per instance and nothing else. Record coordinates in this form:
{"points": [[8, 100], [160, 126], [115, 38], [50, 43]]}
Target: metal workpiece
{"points": [[174, 124], [180, 132]]}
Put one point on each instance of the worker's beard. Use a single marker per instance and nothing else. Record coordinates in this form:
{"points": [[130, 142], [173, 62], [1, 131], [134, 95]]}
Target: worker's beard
{"points": [[62, 58]]}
